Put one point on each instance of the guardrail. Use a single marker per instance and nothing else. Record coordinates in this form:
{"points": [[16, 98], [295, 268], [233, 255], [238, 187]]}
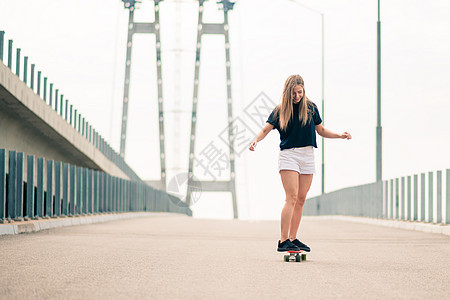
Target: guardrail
{"points": [[55, 99], [421, 197], [37, 188]]}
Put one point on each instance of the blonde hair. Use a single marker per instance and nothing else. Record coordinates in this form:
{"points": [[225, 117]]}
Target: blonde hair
{"points": [[285, 109]]}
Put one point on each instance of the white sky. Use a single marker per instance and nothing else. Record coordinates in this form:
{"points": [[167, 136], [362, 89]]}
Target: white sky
{"points": [[80, 46]]}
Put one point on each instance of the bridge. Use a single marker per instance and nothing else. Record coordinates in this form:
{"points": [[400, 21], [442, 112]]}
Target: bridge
{"points": [[79, 219]]}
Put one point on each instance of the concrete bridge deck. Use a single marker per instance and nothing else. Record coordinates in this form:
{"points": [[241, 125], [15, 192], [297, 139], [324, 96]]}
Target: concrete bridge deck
{"points": [[172, 256]]}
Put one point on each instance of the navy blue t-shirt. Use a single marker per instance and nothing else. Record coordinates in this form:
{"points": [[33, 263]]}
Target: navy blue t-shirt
{"points": [[296, 135]]}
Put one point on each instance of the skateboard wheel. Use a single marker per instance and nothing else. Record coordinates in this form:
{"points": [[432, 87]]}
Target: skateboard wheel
{"points": [[303, 257], [286, 258], [298, 258]]}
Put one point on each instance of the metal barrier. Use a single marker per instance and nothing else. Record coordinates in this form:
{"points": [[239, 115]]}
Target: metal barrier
{"points": [[53, 189], [55, 99], [422, 197]]}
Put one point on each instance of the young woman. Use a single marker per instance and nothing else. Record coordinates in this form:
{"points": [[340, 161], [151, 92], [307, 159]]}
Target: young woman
{"points": [[297, 119]]}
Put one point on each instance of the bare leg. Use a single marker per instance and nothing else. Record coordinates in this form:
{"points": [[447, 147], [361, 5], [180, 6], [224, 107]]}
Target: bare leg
{"points": [[290, 180], [304, 183]]}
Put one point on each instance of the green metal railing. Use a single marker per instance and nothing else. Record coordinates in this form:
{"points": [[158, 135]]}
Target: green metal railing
{"points": [[37, 188], [421, 197]]}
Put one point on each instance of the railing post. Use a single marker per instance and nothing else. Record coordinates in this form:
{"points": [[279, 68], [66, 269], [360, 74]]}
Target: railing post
{"points": [[84, 191], [19, 187], [119, 194], [2, 40], [104, 193], [32, 77], [130, 192], [2, 164], [18, 62], [439, 196], [90, 191], [71, 115], [116, 194], [49, 194], [416, 197], [12, 185], [397, 204], [79, 191], [96, 192], [408, 199], [144, 198], [65, 193], [153, 201], [45, 90], [72, 195], [50, 100], [75, 118], [122, 191], [430, 197], [101, 185], [107, 193], [66, 108], [447, 196], [40, 188], [148, 194], [385, 199], [25, 69], [10, 48], [391, 200], [422, 196], [38, 87], [402, 209], [57, 189], [132, 196], [113, 194], [110, 194], [84, 128], [127, 197], [61, 105], [125, 190], [56, 99]]}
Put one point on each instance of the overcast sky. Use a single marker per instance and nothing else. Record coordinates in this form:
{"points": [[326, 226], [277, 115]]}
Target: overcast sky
{"points": [[80, 46]]}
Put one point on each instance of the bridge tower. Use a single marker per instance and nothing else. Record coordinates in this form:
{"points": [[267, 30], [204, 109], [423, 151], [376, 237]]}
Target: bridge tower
{"points": [[218, 29], [147, 28]]}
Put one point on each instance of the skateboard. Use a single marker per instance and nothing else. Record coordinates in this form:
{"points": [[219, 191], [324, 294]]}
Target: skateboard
{"points": [[298, 256]]}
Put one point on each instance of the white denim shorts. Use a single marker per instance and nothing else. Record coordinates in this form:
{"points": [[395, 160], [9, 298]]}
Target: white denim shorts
{"points": [[297, 159]]}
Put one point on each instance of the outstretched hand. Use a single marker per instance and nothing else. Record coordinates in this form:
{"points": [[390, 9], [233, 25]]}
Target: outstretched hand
{"points": [[346, 135], [252, 146]]}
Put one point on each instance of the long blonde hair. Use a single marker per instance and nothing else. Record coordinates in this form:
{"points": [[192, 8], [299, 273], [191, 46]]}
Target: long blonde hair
{"points": [[285, 109]]}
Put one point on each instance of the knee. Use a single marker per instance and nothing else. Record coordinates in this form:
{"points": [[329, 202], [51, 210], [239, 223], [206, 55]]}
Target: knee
{"points": [[301, 200], [291, 199]]}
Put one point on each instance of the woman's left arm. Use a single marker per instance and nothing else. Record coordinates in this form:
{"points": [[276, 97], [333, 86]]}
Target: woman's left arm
{"points": [[322, 131]]}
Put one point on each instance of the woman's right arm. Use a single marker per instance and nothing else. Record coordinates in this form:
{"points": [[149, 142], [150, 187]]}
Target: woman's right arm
{"points": [[262, 134]]}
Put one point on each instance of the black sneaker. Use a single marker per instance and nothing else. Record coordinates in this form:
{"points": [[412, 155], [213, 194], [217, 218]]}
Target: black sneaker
{"points": [[287, 246], [301, 245]]}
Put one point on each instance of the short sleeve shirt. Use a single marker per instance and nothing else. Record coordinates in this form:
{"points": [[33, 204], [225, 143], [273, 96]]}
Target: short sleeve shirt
{"points": [[296, 135]]}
